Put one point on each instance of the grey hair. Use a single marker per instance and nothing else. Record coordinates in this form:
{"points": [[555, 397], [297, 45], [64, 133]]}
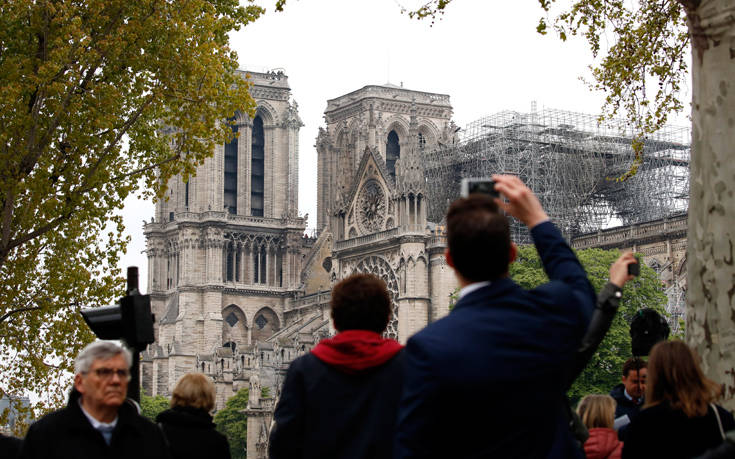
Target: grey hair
{"points": [[100, 350]]}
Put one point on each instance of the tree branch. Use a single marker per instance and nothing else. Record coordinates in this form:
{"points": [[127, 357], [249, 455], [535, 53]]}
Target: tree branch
{"points": [[18, 311]]}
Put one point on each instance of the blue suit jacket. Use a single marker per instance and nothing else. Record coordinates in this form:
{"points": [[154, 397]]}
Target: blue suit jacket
{"points": [[502, 355]]}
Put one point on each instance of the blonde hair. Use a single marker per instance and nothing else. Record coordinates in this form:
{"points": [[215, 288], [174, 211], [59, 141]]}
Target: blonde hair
{"points": [[597, 411], [195, 390], [674, 375]]}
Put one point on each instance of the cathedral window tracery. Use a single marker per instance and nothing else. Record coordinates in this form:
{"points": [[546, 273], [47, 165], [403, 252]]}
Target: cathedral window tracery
{"points": [[371, 207], [230, 185], [257, 170], [392, 153], [380, 268]]}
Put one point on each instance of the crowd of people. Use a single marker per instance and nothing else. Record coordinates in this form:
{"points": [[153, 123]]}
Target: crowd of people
{"points": [[488, 380]]}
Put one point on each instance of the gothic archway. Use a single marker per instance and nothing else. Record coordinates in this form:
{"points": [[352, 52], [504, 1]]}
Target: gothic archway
{"points": [[234, 327], [265, 324], [379, 267]]}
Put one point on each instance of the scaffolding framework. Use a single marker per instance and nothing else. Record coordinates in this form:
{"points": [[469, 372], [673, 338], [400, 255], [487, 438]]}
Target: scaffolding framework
{"points": [[570, 161]]}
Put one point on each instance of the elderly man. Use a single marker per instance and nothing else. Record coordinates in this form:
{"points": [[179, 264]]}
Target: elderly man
{"points": [[97, 421]]}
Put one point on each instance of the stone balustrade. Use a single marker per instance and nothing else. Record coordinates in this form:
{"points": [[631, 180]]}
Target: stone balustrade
{"points": [[403, 230], [628, 235], [226, 217], [367, 239]]}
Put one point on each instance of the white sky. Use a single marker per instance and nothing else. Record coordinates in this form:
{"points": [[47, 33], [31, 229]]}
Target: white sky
{"points": [[486, 55]]}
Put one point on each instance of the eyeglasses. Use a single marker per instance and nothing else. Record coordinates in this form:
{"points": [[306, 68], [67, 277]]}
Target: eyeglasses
{"points": [[106, 373]]}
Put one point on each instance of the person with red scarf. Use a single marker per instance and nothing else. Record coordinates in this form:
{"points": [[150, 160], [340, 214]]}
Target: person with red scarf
{"points": [[341, 399]]}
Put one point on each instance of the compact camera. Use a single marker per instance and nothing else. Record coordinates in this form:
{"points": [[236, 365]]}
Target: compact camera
{"points": [[478, 185]]}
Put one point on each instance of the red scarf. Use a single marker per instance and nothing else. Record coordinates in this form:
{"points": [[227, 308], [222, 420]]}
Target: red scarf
{"points": [[352, 351]]}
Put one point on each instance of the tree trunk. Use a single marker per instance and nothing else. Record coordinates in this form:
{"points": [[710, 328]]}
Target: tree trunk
{"points": [[711, 272]]}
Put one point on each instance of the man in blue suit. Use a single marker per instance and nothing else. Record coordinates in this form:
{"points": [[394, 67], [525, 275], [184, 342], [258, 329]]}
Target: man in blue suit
{"points": [[489, 379]]}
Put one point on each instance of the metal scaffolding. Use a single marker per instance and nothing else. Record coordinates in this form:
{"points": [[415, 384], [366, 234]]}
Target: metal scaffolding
{"points": [[570, 161]]}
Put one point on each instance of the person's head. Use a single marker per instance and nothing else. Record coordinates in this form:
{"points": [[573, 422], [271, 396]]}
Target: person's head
{"points": [[674, 375], [102, 373], [195, 390], [597, 411], [361, 302], [478, 239], [634, 376]]}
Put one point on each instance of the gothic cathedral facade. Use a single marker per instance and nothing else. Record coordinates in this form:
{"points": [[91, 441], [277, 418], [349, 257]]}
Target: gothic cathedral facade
{"points": [[239, 291]]}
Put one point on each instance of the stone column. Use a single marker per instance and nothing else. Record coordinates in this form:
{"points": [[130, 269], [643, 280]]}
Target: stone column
{"points": [[247, 263]]}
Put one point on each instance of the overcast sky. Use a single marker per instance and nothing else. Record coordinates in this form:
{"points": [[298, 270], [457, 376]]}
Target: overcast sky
{"points": [[486, 55]]}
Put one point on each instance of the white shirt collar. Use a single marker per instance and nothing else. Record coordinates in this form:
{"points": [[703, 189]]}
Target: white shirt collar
{"points": [[95, 423], [471, 288]]}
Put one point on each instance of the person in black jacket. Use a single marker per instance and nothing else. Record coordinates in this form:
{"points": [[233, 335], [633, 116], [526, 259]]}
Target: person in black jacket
{"points": [[629, 395], [340, 400], [98, 421], [9, 446], [188, 425], [679, 419]]}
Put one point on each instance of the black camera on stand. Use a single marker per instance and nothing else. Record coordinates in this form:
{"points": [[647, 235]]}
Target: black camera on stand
{"points": [[129, 320]]}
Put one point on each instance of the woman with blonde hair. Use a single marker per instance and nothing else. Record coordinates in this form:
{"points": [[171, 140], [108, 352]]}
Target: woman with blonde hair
{"points": [[598, 414], [680, 418], [188, 425]]}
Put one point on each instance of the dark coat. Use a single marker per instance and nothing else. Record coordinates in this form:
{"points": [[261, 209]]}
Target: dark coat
{"points": [[326, 413], [660, 431], [9, 446], [504, 354], [624, 407], [191, 434], [68, 434]]}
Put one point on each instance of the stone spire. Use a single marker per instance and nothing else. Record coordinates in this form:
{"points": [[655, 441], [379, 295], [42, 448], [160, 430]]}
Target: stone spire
{"points": [[410, 174]]}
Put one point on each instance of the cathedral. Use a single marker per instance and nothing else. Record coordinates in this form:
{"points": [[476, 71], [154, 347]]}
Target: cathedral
{"points": [[239, 290]]}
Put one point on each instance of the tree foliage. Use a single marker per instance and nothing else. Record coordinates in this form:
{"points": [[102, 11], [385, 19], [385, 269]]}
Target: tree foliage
{"points": [[151, 406], [645, 291], [232, 422], [86, 89]]}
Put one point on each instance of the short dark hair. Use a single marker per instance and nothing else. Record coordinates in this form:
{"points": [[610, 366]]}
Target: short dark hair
{"points": [[478, 235], [361, 302], [633, 364]]}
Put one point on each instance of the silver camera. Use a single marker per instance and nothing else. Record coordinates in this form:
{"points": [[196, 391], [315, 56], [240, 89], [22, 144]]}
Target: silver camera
{"points": [[478, 185]]}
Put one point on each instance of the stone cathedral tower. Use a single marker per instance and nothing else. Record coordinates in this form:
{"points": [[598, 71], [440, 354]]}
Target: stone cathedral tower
{"points": [[372, 198], [225, 250]]}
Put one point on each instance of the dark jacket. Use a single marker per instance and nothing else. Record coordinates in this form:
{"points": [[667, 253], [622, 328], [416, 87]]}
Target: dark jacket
{"points": [[625, 407], [503, 353], [9, 446], [660, 431], [191, 434], [327, 413], [68, 434]]}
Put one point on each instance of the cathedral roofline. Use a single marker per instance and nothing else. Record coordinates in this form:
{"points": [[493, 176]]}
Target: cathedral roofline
{"points": [[275, 78], [390, 93]]}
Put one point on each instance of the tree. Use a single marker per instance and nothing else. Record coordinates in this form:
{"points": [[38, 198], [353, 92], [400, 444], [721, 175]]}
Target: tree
{"points": [[650, 40], [232, 422], [604, 369], [98, 96], [151, 406]]}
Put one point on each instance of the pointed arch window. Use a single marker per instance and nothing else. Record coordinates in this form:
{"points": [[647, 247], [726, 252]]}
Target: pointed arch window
{"points": [[230, 185], [259, 265], [392, 153], [257, 170], [229, 262]]}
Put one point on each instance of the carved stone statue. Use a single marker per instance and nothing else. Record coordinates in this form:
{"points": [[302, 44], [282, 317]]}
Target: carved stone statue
{"points": [[254, 392]]}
